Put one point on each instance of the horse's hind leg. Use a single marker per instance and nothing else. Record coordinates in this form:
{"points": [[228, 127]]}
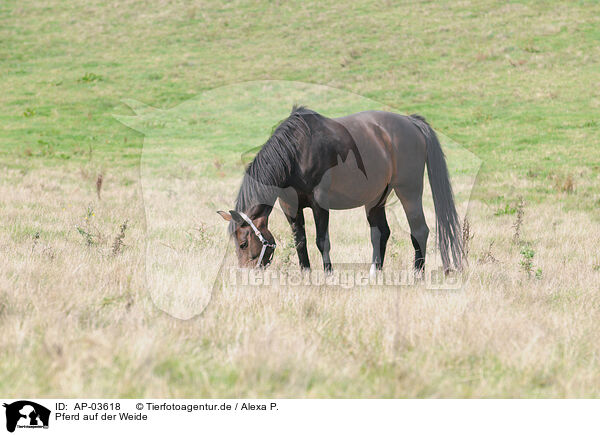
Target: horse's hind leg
{"points": [[321, 216], [380, 233], [419, 232]]}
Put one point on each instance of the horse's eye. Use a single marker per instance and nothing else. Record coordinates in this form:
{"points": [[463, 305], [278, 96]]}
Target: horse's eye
{"points": [[244, 245]]}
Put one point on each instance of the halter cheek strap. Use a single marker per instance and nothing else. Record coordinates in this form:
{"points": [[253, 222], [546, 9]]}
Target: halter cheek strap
{"points": [[265, 243]]}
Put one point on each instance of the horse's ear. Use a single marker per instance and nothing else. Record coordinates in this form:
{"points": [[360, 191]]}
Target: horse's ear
{"points": [[237, 218], [225, 215]]}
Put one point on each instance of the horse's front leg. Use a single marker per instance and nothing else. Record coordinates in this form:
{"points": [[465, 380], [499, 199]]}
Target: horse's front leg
{"points": [[321, 216], [296, 221]]}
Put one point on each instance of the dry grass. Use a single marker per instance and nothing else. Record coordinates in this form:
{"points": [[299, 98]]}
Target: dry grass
{"points": [[78, 320]]}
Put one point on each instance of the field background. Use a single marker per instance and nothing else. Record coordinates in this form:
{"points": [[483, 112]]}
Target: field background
{"points": [[515, 84]]}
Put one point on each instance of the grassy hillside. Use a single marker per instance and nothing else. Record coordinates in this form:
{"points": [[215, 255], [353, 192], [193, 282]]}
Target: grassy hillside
{"points": [[515, 84]]}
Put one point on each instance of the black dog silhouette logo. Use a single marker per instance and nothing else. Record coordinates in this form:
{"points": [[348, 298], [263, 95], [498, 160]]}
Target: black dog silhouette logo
{"points": [[26, 414]]}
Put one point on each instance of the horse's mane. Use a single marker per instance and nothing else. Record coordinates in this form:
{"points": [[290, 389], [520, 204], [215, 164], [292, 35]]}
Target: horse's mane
{"points": [[274, 163]]}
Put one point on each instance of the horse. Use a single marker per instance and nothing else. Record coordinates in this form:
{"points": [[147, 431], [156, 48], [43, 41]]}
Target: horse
{"points": [[311, 161]]}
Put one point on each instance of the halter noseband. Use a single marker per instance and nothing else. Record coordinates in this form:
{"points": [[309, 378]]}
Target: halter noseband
{"points": [[265, 243]]}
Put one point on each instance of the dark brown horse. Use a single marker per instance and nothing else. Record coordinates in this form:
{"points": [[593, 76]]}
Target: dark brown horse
{"points": [[343, 163]]}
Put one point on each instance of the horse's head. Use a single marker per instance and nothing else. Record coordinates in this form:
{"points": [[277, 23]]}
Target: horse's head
{"points": [[254, 243]]}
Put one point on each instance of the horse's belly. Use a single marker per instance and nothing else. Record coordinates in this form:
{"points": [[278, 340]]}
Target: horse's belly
{"points": [[346, 186], [341, 200]]}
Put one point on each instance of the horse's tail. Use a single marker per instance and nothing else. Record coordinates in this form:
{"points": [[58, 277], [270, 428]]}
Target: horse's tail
{"points": [[449, 232]]}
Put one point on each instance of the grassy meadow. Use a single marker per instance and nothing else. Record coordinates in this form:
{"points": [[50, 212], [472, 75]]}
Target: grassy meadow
{"points": [[512, 87]]}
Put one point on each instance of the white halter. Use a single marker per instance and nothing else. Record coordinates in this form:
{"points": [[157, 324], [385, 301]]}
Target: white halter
{"points": [[265, 243]]}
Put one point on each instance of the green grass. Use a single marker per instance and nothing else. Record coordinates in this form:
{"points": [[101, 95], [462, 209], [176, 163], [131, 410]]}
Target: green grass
{"points": [[513, 83]]}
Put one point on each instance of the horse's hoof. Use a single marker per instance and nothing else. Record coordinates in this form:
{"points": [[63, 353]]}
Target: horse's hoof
{"points": [[373, 272]]}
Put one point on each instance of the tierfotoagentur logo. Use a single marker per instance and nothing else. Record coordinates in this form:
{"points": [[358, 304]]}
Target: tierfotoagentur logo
{"points": [[188, 172], [346, 276], [25, 414]]}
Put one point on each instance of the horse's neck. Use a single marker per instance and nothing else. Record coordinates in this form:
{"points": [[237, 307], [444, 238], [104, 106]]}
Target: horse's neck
{"points": [[258, 211]]}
